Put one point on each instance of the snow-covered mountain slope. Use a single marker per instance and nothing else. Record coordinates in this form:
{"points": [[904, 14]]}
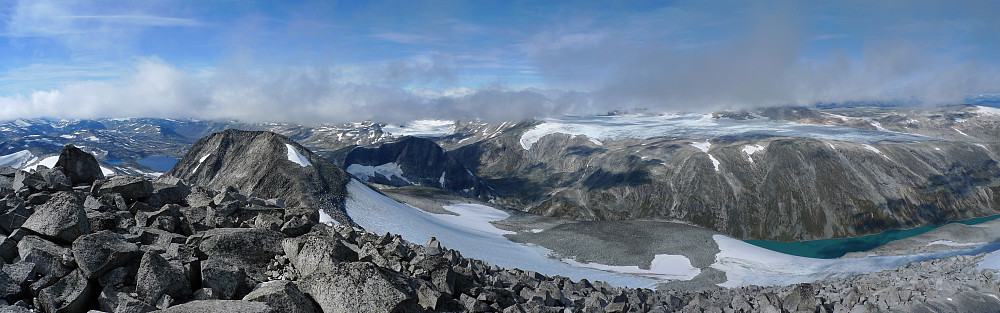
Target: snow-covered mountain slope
{"points": [[18, 159]]}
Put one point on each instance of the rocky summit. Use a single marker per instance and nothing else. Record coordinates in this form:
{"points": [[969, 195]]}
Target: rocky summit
{"points": [[131, 244], [268, 165]]}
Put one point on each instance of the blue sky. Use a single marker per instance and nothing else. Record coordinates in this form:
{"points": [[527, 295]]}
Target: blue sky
{"points": [[337, 61]]}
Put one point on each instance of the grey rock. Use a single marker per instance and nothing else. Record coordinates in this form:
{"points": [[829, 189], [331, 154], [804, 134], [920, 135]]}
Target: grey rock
{"points": [[14, 214], [72, 293], [296, 226], [8, 286], [55, 179], [227, 281], [61, 219], [168, 190], [111, 300], [313, 252], [217, 306], [20, 273], [46, 255], [282, 296], [80, 167], [32, 181], [359, 287], [157, 277], [8, 245], [100, 252], [131, 188], [248, 248]]}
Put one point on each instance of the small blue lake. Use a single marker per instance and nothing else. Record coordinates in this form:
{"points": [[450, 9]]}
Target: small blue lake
{"points": [[116, 162], [835, 248], [159, 163]]}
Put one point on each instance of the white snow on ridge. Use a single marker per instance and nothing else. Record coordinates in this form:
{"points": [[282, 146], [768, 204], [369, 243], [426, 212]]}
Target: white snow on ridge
{"points": [[470, 232], [703, 146], [750, 150], [663, 267], [422, 128], [295, 156], [18, 159], [49, 162], [876, 150], [388, 170], [981, 110]]}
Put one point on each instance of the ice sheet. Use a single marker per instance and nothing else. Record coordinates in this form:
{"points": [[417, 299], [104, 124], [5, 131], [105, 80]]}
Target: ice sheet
{"points": [[698, 126]]}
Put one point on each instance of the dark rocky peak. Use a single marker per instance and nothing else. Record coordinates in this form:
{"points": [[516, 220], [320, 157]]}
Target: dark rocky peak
{"points": [[266, 164], [415, 161]]}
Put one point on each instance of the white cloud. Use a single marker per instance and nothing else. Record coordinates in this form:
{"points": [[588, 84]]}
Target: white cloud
{"points": [[301, 95]]}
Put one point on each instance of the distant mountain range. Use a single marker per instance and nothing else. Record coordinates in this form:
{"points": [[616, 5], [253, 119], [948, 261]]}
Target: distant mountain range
{"points": [[788, 173]]}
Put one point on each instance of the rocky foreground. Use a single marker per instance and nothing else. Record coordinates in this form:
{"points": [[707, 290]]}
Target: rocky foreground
{"points": [[75, 241]]}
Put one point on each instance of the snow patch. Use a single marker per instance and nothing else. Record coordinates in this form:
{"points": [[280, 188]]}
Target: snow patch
{"points": [[422, 128], [961, 132], [703, 146], [990, 261], [18, 159], [470, 232], [750, 150], [49, 162], [981, 110], [876, 150], [107, 171], [982, 146], [388, 170], [92, 138], [67, 136], [326, 218], [955, 244], [441, 180], [663, 267], [295, 156], [746, 264]]}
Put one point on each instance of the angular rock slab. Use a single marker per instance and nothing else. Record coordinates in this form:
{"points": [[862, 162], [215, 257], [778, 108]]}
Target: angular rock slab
{"points": [[61, 219], [69, 294], [247, 248], [101, 252], [360, 287], [157, 277], [219, 306], [131, 188], [283, 296], [81, 167]]}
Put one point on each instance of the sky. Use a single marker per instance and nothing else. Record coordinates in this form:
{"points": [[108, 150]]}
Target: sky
{"points": [[393, 61]]}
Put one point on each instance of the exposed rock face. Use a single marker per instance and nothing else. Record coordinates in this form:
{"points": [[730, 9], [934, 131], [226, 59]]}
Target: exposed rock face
{"points": [[414, 161], [787, 189], [259, 162], [81, 167]]}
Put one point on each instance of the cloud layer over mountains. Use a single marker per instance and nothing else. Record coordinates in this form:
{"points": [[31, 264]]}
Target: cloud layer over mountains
{"points": [[85, 59]]}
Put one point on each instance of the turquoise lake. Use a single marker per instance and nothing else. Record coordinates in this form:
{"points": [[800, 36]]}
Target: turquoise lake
{"points": [[835, 248]]}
